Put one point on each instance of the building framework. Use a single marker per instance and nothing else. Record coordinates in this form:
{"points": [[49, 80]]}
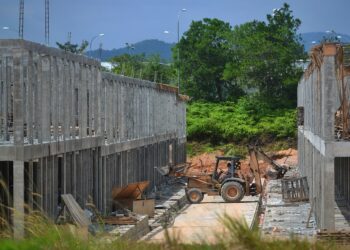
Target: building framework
{"points": [[323, 134], [68, 127]]}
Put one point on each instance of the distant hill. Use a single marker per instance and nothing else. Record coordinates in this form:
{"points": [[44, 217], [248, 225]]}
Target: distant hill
{"points": [[310, 37], [148, 47], [154, 46]]}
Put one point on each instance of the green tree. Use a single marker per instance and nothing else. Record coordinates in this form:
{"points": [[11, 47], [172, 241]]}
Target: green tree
{"points": [[203, 56], [155, 70], [128, 65], [138, 66], [73, 48], [265, 56]]}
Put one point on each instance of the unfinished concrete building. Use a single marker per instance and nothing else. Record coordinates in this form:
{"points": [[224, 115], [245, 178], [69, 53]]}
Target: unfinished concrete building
{"points": [[68, 127], [323, 134]]}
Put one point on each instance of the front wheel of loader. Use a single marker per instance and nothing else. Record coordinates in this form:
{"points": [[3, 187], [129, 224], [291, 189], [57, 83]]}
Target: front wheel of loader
{"points": [[194, 195], [232, 192]]}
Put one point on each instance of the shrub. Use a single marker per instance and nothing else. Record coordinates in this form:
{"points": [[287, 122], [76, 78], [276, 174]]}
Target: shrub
{"points": [[248, 119]]}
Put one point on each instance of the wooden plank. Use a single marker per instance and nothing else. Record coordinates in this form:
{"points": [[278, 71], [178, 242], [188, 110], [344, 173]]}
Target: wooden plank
{"points": [[114, 220]]}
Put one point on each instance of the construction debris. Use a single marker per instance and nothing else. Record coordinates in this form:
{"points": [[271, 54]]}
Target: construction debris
{"points": [[76, 212], [339, 237], [295, 189], [130, 197], [117, 220], [282, 219]]}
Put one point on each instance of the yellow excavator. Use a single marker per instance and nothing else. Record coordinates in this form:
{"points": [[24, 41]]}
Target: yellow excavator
{"points": [[231, 184]]}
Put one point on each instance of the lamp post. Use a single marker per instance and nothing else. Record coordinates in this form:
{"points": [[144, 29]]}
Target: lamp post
{"points": [[93, 38], [178, 49]]}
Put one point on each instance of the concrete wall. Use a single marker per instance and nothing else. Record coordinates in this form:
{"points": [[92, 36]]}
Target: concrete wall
{"points": [[319, 94], [67, 127]]}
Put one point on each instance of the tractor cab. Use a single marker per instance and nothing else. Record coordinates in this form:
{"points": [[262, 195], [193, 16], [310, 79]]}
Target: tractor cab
{"points": [[233, 164]]}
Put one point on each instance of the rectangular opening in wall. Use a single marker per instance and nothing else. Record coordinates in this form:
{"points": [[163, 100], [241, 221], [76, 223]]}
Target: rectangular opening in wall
{"points": [[88, 113], [6, 193], [76, 106], [342, 192], [60, 178], [300, 111]]}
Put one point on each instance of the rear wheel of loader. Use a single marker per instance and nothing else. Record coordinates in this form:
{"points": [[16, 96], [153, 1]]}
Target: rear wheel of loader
{"points": [[232, 192], [194, 195]]}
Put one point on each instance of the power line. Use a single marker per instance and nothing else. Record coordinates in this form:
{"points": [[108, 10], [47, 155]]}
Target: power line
{"points": [[21, 19]]}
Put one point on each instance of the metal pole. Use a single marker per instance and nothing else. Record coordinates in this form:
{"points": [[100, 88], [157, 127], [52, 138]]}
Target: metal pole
{"points": [[178, 48], [21, 19], [92, 39], [178, 51]]}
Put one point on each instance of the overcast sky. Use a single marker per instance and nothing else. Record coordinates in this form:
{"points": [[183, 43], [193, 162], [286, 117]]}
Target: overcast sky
{"points": [[135, 20]]}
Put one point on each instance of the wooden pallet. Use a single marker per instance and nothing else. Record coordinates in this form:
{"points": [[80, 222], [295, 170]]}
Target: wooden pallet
{"points": [[295, 189], [338, 237]]}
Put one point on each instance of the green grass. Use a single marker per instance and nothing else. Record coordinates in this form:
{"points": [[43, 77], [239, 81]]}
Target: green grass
{"points": [[46, 235], [247, 120]]}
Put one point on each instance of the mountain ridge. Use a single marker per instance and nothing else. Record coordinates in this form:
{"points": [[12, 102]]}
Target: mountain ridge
{"points": [[156, 46]]}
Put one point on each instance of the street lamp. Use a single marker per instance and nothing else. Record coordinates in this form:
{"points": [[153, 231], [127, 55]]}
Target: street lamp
{"points": [[93, 38], [178, 49]]}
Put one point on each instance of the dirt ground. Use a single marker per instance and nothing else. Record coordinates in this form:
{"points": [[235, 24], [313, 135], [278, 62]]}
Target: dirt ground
{"points": [[205, 163]]}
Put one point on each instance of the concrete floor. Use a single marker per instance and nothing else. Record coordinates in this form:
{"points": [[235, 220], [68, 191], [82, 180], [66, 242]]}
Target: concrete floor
{"points": [[285, 219], [200, 222]]}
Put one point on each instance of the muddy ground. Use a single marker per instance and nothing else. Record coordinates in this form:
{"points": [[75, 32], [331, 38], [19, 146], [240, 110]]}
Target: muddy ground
{"points": [[205, 163]]}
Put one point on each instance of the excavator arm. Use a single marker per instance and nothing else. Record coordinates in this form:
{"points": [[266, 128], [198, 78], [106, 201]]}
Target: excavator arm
{"points": [[256, 153]]}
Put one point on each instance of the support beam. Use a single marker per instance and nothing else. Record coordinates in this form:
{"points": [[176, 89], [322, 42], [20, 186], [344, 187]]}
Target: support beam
{"points": [[18, 199]]}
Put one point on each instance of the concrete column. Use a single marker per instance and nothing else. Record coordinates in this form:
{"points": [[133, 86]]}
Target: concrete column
{"points": [[54, 98], [46, 98], [7, 91], [83, 102], [30, 101], [18, 199], [329, 91], [18, 119], [30, 185], [327, 194], [99, 128]]}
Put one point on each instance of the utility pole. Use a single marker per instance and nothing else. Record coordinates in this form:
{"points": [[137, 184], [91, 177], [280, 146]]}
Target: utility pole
{"points": [[21, 19], [178, 48], [47, 23]]}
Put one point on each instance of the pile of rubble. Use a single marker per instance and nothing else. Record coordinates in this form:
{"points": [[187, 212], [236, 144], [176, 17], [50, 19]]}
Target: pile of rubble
{"points": [[132, 218]]}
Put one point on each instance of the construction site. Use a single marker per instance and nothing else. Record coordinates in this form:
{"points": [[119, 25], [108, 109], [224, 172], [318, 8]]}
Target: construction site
{"points": [[76, 141]]}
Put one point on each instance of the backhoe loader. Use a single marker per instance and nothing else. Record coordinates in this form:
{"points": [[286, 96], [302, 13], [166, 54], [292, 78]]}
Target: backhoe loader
{"points": [[232, 185]]}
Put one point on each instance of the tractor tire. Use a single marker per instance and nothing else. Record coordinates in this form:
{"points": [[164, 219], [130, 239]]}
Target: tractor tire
{"points": [[232, 192], [194, 195]]}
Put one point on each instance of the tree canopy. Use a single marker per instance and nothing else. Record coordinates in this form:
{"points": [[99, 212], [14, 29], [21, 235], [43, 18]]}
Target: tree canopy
{"points": [[203, 58], [218, 62], [73, 48], [148, 68]]}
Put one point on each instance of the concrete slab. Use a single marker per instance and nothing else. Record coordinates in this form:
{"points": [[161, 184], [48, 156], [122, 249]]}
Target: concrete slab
{"points": [[200, 222], [285, 219]]}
